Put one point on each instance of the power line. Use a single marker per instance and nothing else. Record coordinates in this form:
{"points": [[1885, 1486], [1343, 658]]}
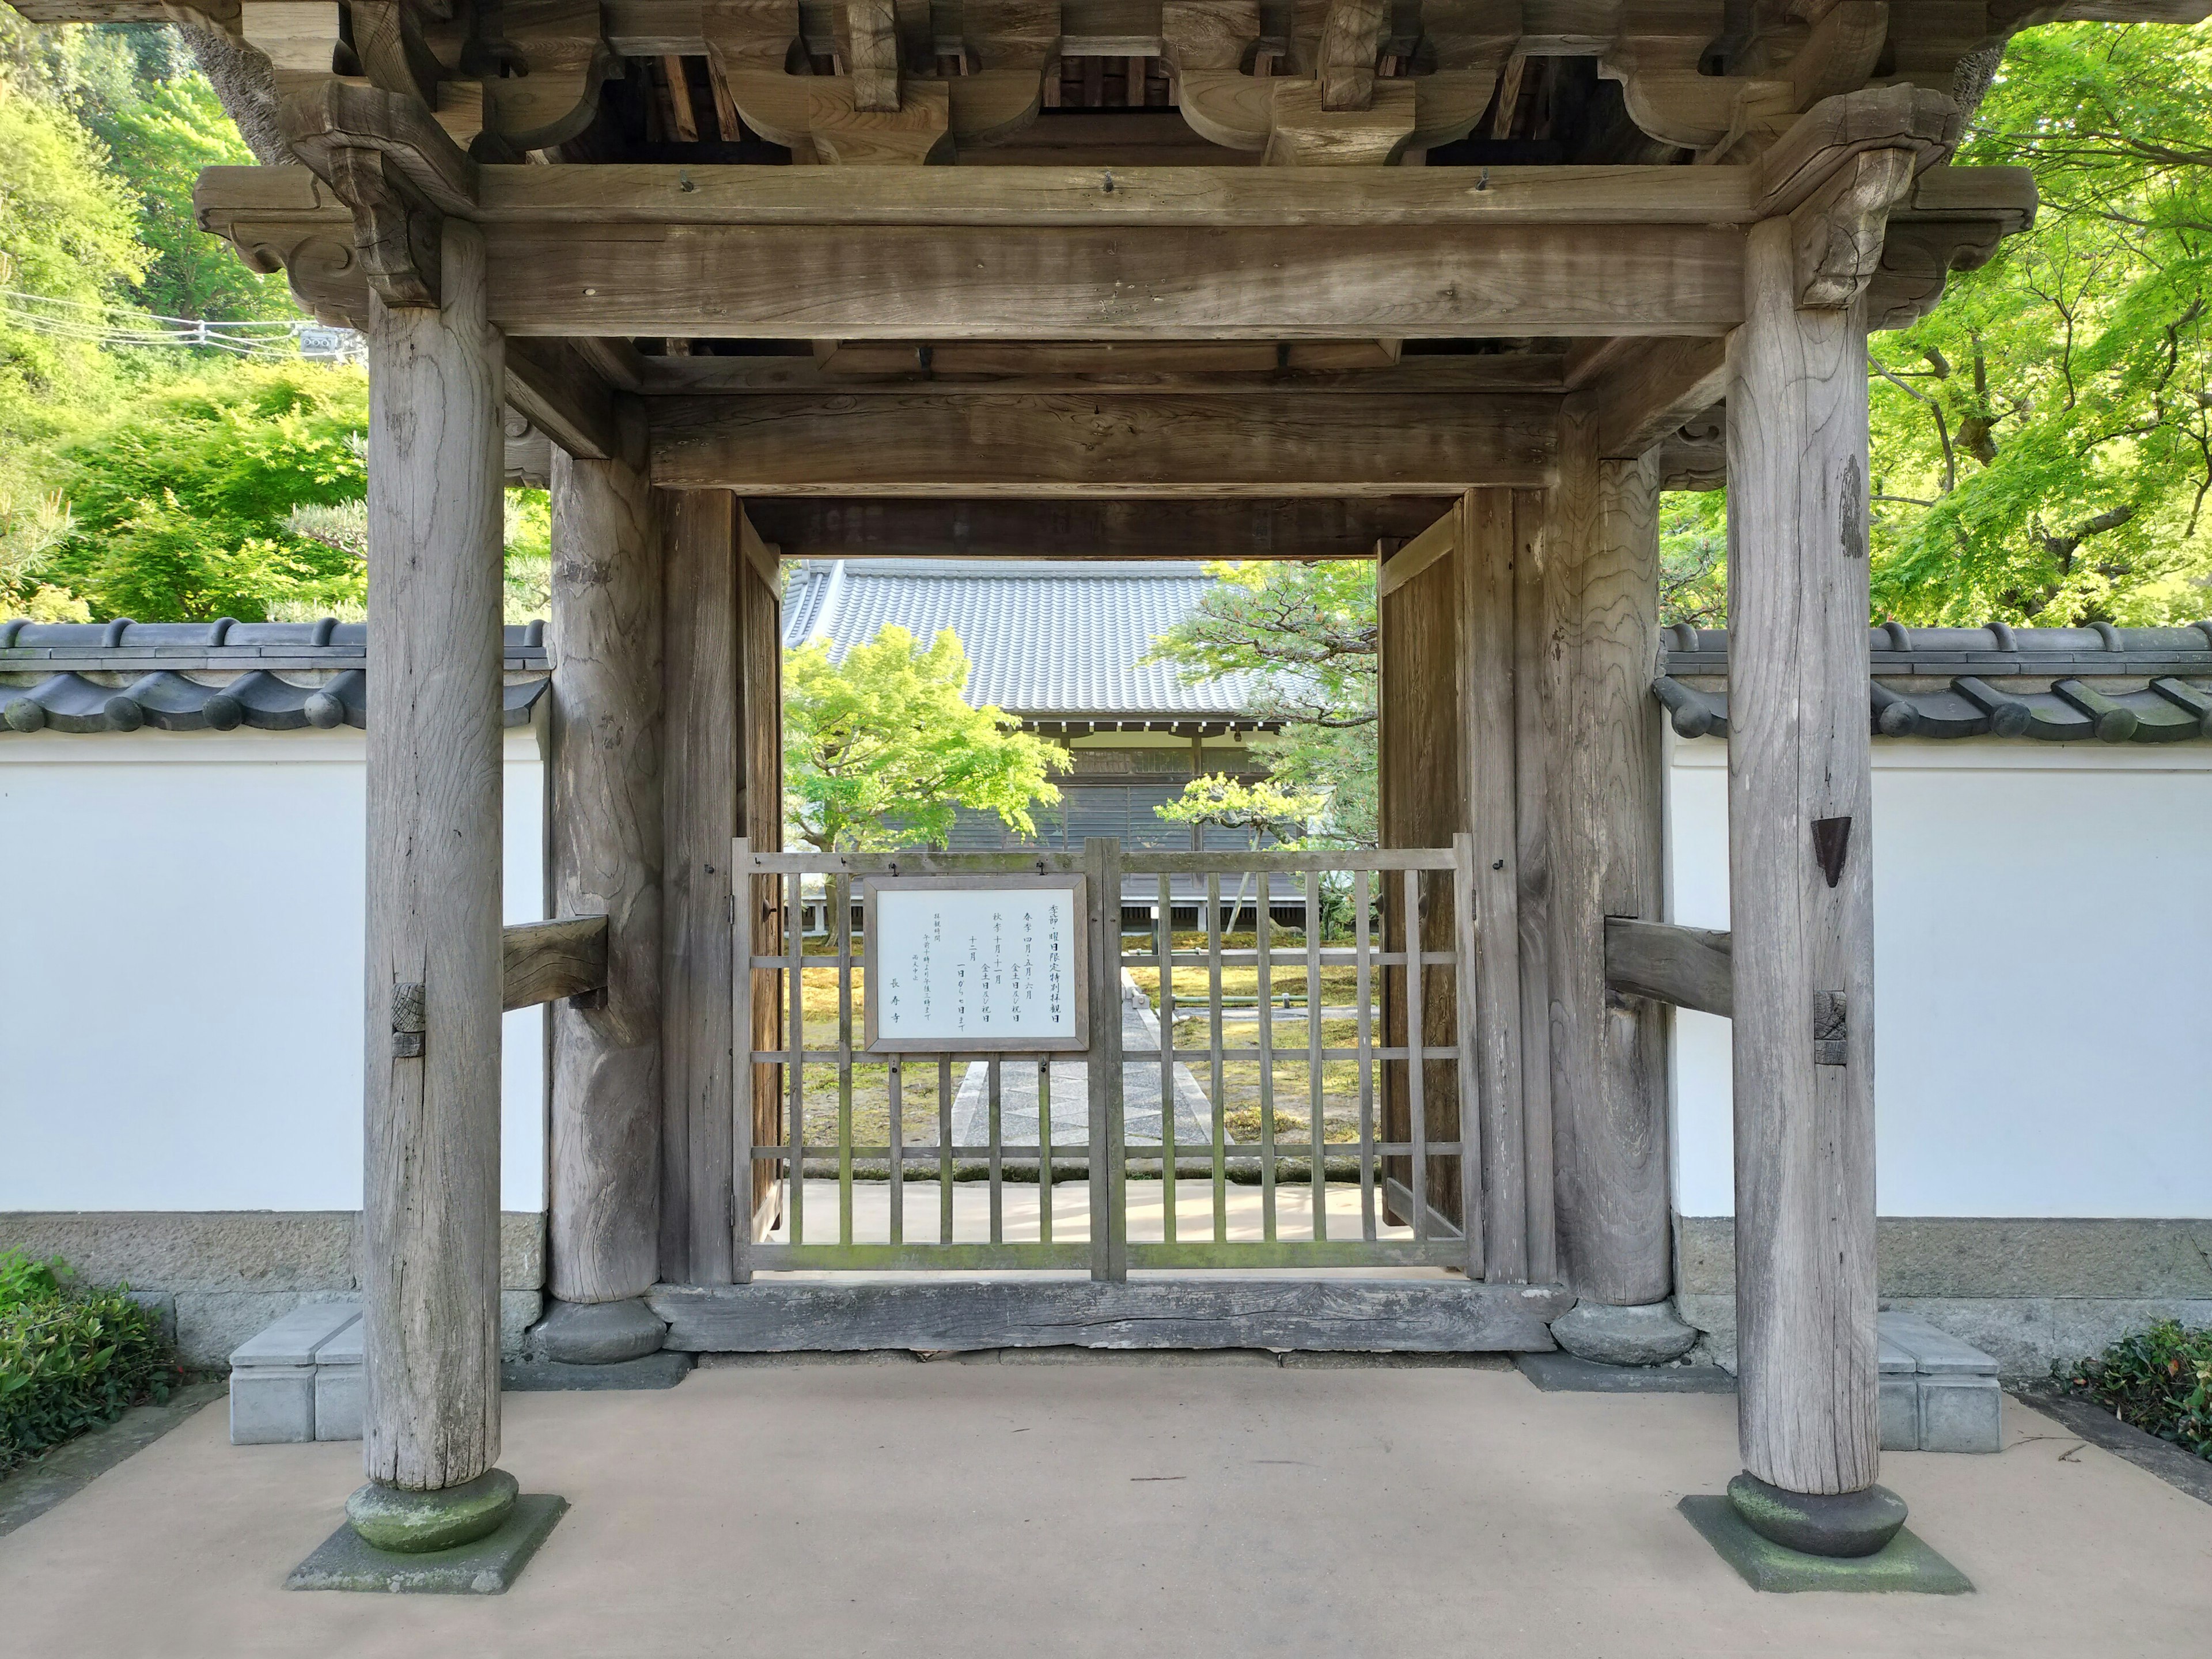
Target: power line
{"points": [[116, 327]]}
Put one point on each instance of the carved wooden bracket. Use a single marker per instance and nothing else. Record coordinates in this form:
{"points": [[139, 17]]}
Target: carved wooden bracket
{"points": [[397, 232], [387, 159], [1837, 233]]}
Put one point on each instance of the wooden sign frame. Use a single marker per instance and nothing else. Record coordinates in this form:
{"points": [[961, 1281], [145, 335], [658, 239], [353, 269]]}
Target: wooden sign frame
{"points": [[1077, 887]]}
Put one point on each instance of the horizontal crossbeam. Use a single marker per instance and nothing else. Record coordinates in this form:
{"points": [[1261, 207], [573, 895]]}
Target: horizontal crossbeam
{"points": [[545, 961], [1689, 967], [929, 444], [1374, 1315], [814, 527]]}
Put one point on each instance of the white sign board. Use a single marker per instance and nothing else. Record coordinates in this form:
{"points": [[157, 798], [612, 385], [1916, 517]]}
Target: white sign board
{"points": [[985, 963]]}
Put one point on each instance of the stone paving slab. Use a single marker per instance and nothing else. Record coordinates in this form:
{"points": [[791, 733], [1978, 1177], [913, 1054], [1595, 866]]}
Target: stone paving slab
{"points": [[1091, 1512]]}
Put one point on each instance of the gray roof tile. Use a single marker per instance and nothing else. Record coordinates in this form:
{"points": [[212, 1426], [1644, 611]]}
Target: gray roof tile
{"points": [[1040, 639]]}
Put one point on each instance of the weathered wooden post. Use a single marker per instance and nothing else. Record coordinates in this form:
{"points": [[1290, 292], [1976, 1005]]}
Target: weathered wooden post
{"points": [[606, 860], [1801, 913], [1602, 793], [430, 1432]]}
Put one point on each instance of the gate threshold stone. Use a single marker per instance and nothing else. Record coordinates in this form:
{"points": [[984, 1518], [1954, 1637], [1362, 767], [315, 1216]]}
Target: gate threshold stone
{"points": [[344, 1561], [1343, 1316], [1904, 1563]]}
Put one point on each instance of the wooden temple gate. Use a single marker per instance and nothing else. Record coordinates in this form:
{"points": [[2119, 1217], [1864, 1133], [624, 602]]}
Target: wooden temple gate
{"points": [[1185, 291]]}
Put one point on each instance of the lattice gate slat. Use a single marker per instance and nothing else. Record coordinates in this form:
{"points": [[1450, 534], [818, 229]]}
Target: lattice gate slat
{"points": [[1002, 1124]]}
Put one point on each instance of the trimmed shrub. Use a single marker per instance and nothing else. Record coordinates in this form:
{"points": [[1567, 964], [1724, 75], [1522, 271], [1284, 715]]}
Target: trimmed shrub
{"points": [[71, 1358], [2159, 1380]]}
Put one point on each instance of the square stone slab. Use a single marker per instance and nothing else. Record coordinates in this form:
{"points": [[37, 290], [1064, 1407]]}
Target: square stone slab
{"points": [[486, 1567], [1904, 1564], [1567, 1373], [663, 1369]]}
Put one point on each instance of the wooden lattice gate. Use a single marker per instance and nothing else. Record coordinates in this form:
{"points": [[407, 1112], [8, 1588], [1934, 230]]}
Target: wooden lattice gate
{"points": [[1249, 1095]]}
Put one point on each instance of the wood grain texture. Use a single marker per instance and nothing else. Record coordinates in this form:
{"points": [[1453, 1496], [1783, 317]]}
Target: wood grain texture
{"points": [[430, 1211], [928, 443], [551, 385], [1422, 795], [902, 282], [702, 764], [1688, 967], [1608, 1057], [545, 961], [760, 816], [1798, 752], [1193, 196], [1534, 700], [1485, 696], [605, 642], [1656, 387], [813, 527], [1371, 1316]]}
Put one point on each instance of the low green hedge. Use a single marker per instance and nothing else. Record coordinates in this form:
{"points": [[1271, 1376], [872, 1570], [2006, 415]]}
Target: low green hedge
{"points": [[2159, 1380], [71, 1358]]}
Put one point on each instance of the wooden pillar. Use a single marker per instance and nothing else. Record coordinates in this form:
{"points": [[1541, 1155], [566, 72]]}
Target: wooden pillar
{"points": [[722, 771], [1532, 703], [431, 1200], [1602, 805], [702, 773], [1800, 873], [606, 856], [1488, 740]]}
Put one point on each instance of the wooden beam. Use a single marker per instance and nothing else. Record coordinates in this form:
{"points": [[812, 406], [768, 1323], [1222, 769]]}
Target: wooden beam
{"points": [[1213, 197], [605, 834], [819, 527], [1448, 1317], [1653, 390], [553, 387], [548, 961], [1801, 940], [905, 283], [926, 444], [1688, 967], [1026, 368], [1440, 540], [430, 1208]]}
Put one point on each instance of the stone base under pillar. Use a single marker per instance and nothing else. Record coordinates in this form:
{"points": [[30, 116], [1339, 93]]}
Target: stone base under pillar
{"points": [[1904, 1564], [664, 1370], [486, 1567]]}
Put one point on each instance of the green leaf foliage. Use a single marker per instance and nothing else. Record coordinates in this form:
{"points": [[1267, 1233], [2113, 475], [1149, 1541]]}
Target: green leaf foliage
{"points": [[71, 1358], [2159, 1380], [159, 141], [2042, 443], [1309, 634], [880, 747], [184, 505]]}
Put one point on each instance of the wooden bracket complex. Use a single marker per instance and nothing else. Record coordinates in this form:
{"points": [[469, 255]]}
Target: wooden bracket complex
{"points": [[384, 154]]}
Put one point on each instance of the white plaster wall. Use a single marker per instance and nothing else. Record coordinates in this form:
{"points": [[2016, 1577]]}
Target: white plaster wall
{"points": [[2043, 1045], [180, 972]]}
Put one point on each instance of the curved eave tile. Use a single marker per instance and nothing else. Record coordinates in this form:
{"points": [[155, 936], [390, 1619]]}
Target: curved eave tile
{"points": [[2167, 710], [168, 701]]}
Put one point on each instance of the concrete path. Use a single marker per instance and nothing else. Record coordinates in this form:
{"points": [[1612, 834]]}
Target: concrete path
{"points": [[1071, 1095], [908, 1509]]}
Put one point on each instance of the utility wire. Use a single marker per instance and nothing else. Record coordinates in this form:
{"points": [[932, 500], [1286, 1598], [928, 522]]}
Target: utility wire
{"points": [[116, 326]]}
